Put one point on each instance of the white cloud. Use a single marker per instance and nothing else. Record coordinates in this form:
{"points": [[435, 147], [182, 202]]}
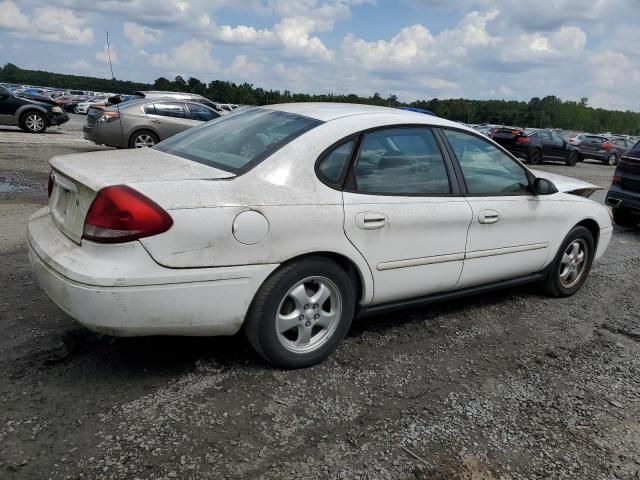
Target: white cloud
{"points": [[103, 55], [46, 23], [192, 56], [242, 67], [140, 35], [12, 18]]}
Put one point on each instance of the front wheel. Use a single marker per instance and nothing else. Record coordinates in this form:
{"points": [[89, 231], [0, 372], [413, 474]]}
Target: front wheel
{"points": [[301, 313], [572, 264], [625, 217], [33, 122], [572, 159]]}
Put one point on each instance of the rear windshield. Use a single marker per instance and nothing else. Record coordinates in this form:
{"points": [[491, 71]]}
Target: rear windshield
{"points": [[237, 142], [635, 151]]}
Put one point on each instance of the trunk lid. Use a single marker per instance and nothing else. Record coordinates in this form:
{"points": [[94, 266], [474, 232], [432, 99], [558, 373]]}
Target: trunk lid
{"points": [[78, 177]]}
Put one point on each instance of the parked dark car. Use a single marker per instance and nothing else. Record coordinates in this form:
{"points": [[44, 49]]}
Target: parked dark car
{"points": [[624, 194], [605, 149], [33, 115], [538, 146]]}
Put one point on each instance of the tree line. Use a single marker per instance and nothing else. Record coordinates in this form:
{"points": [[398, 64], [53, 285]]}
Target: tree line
{"points": [[549, 111]]}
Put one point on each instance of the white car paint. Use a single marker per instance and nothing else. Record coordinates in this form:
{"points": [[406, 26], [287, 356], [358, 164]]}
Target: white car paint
{"points": [[200, 276]]}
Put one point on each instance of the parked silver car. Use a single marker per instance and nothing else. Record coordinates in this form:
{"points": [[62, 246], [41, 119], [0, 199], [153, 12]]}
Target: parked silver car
{"points": [[143, 123]]}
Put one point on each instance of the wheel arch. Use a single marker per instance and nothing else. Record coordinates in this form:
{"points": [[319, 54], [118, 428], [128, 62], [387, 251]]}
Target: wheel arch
{"points": [[362, 282], [593, 227], [27, 108]]}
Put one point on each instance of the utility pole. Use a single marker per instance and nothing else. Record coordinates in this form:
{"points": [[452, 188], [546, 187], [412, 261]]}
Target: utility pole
{"points": [[541, 115]]}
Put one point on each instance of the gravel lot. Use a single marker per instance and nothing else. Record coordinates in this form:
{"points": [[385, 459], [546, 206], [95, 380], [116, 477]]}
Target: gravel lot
{"points": [[511, 385]]}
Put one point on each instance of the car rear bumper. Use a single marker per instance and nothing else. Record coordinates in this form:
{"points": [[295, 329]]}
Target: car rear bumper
{"points": [[617, 199], [119, 290], [105, 134]]}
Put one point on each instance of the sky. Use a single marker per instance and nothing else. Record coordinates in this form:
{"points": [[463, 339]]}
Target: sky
{"points": [[415, 49]]}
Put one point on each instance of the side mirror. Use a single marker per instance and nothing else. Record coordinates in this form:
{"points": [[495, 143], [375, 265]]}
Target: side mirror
{"points": [[542, 186]]}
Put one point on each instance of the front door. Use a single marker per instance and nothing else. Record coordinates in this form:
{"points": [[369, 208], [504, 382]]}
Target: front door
{"points": [[170, 118], [404, 214], [512, 228]]}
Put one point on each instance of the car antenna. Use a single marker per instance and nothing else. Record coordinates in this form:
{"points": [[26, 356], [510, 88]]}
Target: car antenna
{"points": [[113, 78]]}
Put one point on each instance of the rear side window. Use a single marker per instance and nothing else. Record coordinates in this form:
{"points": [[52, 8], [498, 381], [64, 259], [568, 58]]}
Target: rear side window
{"points": [[150, 109], [202, 113], [175, 110], [401, 161], [332, 164], [635, 151], [236, 143], [593, 139]]}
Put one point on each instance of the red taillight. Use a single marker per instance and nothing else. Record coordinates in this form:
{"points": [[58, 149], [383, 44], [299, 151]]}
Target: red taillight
{"points": [[617, 179], [121, 214], [607, 146], [522, 139], [50, 184]]}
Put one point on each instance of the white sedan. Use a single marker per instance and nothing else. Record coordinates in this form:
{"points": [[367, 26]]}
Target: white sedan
{"points": [[289, 220]]}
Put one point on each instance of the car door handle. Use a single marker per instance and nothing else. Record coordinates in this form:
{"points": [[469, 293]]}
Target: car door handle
{"points": [[155, 120], [489, 216], [370, 220]]}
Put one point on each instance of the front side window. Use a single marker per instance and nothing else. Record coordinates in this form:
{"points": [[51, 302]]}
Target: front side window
{"points": [[401, 161], [175, 110], [202, 113], [237, 142], [486, 169], [334, 163]]}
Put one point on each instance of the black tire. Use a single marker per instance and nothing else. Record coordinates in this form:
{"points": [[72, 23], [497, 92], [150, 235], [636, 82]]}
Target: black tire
{"points": [[552, 284], [33, 121], [140, 134], [572, 159], [612, 159], [261, 325], [535, 156], [625, 217]]}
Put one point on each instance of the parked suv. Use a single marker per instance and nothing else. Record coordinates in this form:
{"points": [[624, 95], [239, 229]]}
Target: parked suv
{"points": [[624, 194], [30, 114], [537, 146], [143, 123], [606, 149]]}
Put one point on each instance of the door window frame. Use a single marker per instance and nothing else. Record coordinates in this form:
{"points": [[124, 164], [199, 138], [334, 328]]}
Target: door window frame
{"points": [[347, 182], [460, 174]]}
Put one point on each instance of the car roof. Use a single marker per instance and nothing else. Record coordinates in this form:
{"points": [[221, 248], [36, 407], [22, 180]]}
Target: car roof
{"points": [[325, 112]]}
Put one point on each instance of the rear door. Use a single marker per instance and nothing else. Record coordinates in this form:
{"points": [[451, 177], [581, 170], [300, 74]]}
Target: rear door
{"points": [[512, 229], [404, 213], [169, 118]]}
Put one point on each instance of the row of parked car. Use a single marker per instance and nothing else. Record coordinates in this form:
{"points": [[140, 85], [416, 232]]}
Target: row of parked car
{"points": [[536, 146]]}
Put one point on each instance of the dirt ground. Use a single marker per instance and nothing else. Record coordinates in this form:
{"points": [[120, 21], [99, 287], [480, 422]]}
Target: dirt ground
{"points": [[512, 385]]}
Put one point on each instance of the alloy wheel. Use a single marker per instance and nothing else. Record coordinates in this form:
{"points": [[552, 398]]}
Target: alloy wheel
{"points": [[612, 159], [308, 315], [144, 140], [573, 263], [34, 122]]}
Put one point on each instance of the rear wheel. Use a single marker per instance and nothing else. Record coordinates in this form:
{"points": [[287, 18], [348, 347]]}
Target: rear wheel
{"points": [[572, 159], [535, 156], [572, 264], [612, 159], [143, 139], [33, 122], [301, 313], [625, 217]]}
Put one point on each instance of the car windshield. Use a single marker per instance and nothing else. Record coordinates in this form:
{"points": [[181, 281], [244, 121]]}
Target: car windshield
{"points": [[239, 141]]}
